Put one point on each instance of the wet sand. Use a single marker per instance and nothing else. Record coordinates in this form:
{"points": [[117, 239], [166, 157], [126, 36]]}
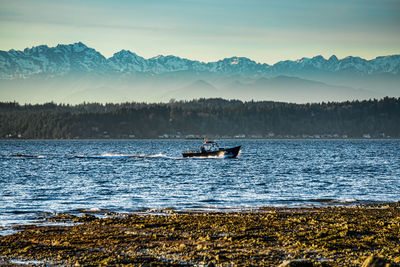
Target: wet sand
{"points": [[320, 236]]}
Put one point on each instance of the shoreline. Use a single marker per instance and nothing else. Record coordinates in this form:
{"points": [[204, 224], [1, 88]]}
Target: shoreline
{"points": [[321, 236]]}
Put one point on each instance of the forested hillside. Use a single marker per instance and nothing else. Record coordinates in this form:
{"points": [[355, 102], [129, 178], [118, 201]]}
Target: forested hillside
{"points": [[214, 118]]}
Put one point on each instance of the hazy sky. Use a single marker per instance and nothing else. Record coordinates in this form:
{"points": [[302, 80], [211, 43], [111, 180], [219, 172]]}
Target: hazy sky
{"points": [[208, 30]]}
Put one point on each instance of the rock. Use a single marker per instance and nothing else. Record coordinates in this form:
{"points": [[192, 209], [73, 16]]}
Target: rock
{"points": [[297, 263]]}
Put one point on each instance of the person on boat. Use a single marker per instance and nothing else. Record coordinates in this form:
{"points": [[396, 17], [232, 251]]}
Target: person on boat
{"points": [[202, 149], [203, 146]]}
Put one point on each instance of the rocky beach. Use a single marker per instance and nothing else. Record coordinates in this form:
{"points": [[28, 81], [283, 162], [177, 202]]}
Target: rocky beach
{"points": [[366, 235]]}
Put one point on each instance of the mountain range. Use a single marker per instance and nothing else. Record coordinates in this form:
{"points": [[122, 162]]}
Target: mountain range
{"points": [[75, 73]]}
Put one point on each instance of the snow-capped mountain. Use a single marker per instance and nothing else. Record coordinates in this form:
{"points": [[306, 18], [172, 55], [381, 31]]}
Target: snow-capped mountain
{"points": [[126, 61], [162, 64], [241, 65], [75, 73], [58, 61], [379, 65], [78, 58]]}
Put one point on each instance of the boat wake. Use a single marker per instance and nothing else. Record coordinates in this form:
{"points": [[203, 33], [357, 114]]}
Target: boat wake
{"points": [[20, 155], [125, 156], [113, 156]]}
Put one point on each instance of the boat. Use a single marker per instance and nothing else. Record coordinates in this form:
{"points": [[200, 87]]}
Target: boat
{"points": [[211, 149]]}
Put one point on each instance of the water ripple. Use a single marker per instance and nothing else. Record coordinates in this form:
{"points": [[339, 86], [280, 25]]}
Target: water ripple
{"points": [[129, 175]]}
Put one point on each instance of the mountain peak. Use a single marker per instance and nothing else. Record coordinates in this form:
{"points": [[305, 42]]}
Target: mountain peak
{"points": [[157, 57], [79, 44], [237, 60], [75, 47], [36, 49], [79, 47], [124, 53], [319, 58], [333, 58], [352, 58]]}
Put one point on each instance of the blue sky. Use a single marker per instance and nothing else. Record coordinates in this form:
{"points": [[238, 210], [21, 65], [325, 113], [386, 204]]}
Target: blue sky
{"points": [[208, 30]]}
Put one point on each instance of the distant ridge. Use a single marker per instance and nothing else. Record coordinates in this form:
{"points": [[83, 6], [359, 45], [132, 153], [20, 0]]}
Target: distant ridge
{"points": [[77, 57], [194, 90], [74, 73]]}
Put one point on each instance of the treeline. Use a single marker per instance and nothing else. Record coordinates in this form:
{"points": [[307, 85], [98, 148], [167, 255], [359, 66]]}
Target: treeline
{"points": [[204, 117]]}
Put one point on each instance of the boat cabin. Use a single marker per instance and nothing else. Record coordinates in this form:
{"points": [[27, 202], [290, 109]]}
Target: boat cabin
{"points": [[209, 146]]}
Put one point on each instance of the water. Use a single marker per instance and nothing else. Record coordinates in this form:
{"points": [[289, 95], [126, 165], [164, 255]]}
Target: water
{"points": [[37, 177]]}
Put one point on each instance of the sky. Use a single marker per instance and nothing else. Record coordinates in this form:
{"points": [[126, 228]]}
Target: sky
{"points": [[266, 31]]}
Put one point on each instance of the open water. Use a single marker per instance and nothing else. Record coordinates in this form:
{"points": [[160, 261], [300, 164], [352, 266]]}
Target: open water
{"points": [[39, 177]]}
